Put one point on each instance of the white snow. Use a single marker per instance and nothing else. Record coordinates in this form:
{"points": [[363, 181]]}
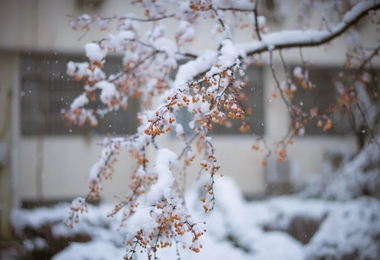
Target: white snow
{"points": [[141, 220], [289, 37], [297, 72], [190, 69], [95, 250], [261, 21], [94, 52], [278, 245], [121, 40], [109, 151], [166, 45], [228, 54], [185, 32], [347, 182], [108, 91], [77, 68], [82, 22], [349, 226], [179, 130], [352, 227], [35, 244], [79, 102], [239, 4], [165, 159]]}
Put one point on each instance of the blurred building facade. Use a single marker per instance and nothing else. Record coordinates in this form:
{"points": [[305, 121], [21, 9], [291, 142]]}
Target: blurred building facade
{"points": [[42, 160]]}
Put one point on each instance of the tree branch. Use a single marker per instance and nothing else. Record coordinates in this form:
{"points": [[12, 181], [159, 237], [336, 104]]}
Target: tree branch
{"points": [[369, 58], [256, 21], [300, 38], [310, 38]]}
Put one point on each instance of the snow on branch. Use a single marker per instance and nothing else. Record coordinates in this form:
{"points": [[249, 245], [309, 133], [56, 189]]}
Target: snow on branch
{"points": [[309, 38], [210, 86]]}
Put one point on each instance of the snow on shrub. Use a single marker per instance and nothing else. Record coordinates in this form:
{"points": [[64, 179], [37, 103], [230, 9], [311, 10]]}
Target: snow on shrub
{"points": [[351, 231], [235, 229]]}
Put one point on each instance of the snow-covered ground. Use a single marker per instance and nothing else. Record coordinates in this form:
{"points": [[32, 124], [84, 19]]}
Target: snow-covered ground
{"points": [[236, 229]]}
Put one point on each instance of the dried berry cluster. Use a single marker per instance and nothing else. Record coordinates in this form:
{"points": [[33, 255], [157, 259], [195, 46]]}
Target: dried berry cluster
{"points": [[210, 87]]}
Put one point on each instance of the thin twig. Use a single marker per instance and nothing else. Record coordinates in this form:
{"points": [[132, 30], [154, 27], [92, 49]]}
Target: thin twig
{"points": [[276, 79], [256, 21], [373, 137], [369, 58]]}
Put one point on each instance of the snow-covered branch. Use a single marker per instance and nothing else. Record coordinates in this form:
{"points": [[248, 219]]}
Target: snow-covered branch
{"points": [[309, 38], [209, 85]]}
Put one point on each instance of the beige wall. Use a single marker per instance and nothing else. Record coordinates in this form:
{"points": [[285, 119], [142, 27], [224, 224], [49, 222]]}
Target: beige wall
{"points": [[5, 191], [8, 138], [43, 25], [57, 167], [64, 166]]}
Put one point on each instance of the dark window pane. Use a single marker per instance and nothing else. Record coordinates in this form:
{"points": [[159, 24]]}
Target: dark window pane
{"points": [[46, 89], [254, 93], [255, 101], [324, 97]]}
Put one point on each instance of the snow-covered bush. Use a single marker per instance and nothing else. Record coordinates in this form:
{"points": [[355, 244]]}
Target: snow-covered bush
{"points": [[236, 229], [351, 231], [44, 231], [358, 175]]}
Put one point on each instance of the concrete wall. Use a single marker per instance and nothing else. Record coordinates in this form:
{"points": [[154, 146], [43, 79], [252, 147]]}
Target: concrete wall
{"points": [[56, 167], [8, 137]]}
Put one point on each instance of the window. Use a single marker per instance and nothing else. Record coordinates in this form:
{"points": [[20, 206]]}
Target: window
{"points": [[254, 93], [324, 96], [255, 97], [46, 89]]}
